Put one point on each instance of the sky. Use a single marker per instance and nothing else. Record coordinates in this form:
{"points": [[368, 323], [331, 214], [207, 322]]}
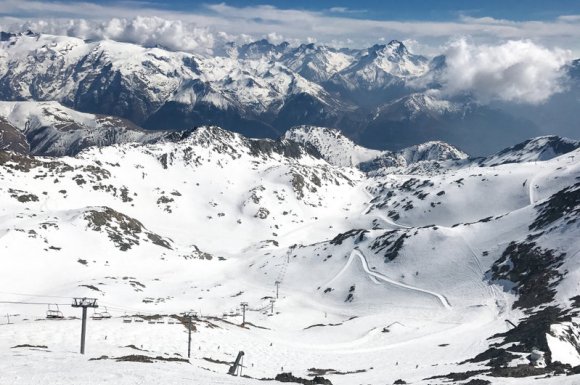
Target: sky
{"points": [[426, 26], [438, 10]]}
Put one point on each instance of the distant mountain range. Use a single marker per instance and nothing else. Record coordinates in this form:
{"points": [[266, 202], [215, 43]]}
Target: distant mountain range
{"points": [[261, 90]]}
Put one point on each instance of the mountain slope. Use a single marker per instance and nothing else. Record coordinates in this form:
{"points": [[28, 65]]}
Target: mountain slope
{"points": [[156, 88], [533, 150], [338, 150], [420, 117], [48, 128], [369, 263]]}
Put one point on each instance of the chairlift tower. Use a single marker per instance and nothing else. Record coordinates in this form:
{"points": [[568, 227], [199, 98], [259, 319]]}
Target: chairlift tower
{"points": [[272, 300], [244, 305], [84, 303], [238, 363], [189, 316]]}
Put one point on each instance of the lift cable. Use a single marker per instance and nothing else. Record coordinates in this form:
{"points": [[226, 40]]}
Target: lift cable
{"points": [[33, 303], [35, 295]]}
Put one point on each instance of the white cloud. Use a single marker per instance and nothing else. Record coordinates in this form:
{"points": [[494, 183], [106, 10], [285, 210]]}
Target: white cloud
{"points": [[148, 31], [517, 71], [346, 10], [569, 18], [200, 29]]}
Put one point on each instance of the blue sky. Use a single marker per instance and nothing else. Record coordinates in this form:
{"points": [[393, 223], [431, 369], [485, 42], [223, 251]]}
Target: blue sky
{"points": [[436, 10]]}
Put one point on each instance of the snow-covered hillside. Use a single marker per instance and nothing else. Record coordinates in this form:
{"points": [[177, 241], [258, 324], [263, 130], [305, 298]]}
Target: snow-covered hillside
{"points": [[49, 128], [381, 276], [338, 150], [533, 150], [333, 146]]}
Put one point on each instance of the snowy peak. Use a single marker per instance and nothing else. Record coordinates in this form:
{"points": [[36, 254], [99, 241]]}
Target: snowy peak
{"points": [[423, 103], [418, 159], [397, 47], [381, 68], [574, 69], [533, 150], [11, 138], [332, 145], [393, 51], [232, 145], [260, 49], [416, 106], [316, 63], [10, 36], [339, 150], [395, 59], [431, 151]]}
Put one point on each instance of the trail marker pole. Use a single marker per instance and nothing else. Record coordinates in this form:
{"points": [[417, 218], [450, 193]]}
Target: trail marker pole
{"points": [[84, 303], [277, 283]]}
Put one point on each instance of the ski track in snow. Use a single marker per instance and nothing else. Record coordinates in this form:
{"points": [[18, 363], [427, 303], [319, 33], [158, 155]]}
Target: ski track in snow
{"points": [[376, 277], [531, 189], [368, 208], [532, 185], [475, 257]]}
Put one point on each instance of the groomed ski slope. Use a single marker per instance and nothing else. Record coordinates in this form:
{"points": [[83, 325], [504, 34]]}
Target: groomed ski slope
{"points": [[357, 254]]}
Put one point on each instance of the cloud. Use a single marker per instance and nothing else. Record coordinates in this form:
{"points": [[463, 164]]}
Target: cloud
{"points": [[516, 71], [148, 31], [202, 28], [569, 18], [346, 10]]}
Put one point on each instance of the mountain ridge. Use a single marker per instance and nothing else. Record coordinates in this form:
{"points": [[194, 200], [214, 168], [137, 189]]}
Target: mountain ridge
{"points": [[256, 94]]}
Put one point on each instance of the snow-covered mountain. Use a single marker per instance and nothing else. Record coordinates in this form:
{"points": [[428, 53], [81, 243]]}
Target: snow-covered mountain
{"points": [[338, 150], [533, 150], [381, 276], [333, 146], [48, 128], [257, 50], [317, 63], [431, 151], [381, 66], [426, 116], [380, 74], [160, 89], [420, 106], [261, 89]]}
